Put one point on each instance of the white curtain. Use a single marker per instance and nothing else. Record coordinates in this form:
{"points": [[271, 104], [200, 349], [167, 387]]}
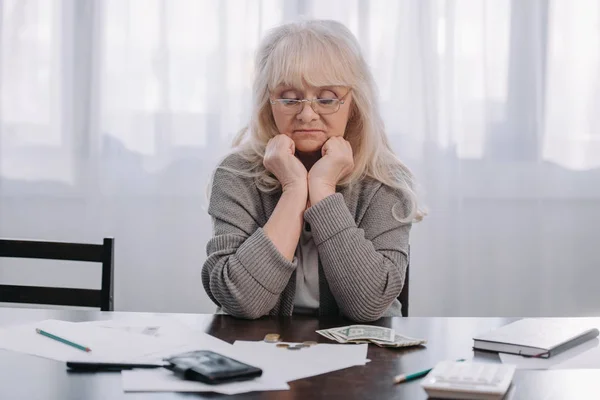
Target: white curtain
{"points": [[114, 113]]}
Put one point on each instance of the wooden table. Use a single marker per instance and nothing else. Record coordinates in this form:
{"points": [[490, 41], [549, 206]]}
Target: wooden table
{"points": [[27, 377]]}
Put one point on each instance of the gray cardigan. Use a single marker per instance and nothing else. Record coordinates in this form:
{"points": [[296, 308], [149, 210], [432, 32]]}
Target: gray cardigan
{"points": [[363, 250]]}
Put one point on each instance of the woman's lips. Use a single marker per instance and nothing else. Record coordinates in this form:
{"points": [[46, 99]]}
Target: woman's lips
{"points": [[308, 131]]}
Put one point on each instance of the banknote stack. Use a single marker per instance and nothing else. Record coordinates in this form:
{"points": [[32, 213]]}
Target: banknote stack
{"points": [[382, 337]]}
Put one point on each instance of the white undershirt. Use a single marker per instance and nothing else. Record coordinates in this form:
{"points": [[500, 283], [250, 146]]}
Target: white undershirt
{"points": [[307, 272]]}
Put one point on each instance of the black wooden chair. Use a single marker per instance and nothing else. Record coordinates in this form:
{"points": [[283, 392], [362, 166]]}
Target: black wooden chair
{"points": [[403, 297], [98, 253]]}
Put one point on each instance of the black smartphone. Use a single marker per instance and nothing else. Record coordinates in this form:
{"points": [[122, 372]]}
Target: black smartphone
{"points": [[210, 367]]}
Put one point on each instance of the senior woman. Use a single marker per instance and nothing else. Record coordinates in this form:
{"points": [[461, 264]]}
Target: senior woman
{"points": [[312, 210]]}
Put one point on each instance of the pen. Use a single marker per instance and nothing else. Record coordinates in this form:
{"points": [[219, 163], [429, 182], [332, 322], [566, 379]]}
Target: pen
{"points": [[62, 340], [100, 366], [416, 375]]}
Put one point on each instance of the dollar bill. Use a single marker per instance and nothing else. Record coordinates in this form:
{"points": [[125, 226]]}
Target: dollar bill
{"points": [[324, 332], [381, 336], [400, 341], [363, 332]]}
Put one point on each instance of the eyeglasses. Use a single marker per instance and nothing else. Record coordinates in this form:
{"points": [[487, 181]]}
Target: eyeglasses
{"points": [[320, 106]]}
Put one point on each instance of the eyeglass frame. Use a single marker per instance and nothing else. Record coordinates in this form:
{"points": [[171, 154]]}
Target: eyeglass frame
{"points": [[341, 101]]}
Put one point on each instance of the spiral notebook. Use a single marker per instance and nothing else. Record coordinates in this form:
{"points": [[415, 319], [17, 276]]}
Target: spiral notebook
{"points": [[537, 337]]}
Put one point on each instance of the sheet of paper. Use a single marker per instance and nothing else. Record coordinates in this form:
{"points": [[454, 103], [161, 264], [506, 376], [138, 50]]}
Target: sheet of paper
{"points": [[586, 355], [153, 325], [162, 380], [108, 345], [290, 365], [176, 337], [168, 330], [279, 366]]}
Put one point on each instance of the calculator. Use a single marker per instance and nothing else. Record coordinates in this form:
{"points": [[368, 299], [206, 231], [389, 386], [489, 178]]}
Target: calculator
{"points": [[468, 380]]}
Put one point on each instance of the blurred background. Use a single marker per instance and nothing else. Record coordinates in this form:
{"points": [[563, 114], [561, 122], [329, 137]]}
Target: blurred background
{"points": [[114, 113]]}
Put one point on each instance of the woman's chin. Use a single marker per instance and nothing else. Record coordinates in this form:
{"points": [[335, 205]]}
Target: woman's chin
{"points": [[306, 146]]}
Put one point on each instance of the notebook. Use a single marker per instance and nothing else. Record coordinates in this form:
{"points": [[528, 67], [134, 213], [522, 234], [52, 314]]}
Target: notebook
{"points": [[537, 337]]}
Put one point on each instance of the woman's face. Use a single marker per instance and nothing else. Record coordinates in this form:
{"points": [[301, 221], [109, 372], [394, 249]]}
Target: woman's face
{"points": [[308, 129]]}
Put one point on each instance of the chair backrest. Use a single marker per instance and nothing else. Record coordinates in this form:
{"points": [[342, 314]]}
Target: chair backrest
{"points": [[98, 253], [403, 297]]}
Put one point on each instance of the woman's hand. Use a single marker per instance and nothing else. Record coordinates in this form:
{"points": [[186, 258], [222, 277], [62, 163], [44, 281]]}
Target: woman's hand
{"points": [[285, 223], [336, 163], [281, 161]]}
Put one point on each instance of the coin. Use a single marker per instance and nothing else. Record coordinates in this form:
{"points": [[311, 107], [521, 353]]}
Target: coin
{"points": [[282, 345], [302, 346], [310, 343], [294, 348], [272, 338]]}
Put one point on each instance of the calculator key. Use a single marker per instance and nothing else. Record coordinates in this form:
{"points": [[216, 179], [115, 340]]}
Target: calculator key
{"points": [[476, 371], [489, 373], [499, 377], [454, 375]]}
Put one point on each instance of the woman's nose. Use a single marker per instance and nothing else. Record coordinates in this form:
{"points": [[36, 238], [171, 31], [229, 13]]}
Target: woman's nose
{"points": [[307, 114]]}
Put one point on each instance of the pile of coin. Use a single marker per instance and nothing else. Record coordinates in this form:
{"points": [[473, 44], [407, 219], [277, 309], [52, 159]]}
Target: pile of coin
{"points": [[275, 338], [272, 338]]}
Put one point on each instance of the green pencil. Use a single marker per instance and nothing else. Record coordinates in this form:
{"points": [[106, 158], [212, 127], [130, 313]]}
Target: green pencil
{"points": [[65, 341], [411, 377]]}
